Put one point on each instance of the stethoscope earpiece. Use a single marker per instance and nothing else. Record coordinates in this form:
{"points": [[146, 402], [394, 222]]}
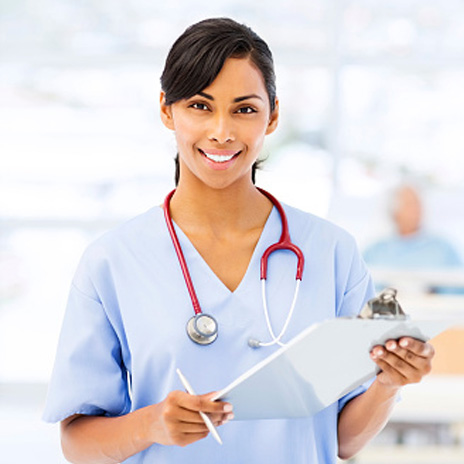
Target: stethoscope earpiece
{"points": [[253, 343], [202, 329]]}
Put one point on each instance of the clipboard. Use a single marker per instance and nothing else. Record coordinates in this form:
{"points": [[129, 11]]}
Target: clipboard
{"points": [[319, 366]]}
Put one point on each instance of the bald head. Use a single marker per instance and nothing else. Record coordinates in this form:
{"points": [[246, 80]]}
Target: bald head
{"points": [[407, 211]]}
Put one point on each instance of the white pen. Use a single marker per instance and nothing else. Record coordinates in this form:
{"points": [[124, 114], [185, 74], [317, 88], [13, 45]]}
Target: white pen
{"points": [[205, 418]]}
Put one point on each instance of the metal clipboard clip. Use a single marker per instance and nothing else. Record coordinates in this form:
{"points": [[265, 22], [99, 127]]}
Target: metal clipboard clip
{"points": [[383, 306]]}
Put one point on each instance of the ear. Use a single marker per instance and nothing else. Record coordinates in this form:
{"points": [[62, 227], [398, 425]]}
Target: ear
{"points": [[166, 112], [273, 119]]}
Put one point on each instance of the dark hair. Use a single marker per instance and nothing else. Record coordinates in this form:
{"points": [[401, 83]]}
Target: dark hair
{"points": [[198, 55]]}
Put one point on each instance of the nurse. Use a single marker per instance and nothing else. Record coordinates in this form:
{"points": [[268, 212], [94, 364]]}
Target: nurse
{"points": [[114, 386]]}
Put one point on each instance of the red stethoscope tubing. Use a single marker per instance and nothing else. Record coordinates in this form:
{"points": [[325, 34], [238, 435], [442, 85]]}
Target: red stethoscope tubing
{"points": [[180, 254], [284, 243]]}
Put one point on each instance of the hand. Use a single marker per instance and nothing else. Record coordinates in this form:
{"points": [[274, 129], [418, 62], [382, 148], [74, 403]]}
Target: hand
{"points": [[403, 361], [178, 419]]}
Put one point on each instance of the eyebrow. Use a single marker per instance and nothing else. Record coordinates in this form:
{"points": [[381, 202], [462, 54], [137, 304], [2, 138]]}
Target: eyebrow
{"points": [[236, 100]]}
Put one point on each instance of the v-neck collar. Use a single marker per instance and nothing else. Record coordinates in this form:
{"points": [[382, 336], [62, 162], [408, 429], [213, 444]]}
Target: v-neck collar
{"points": [[265, 238]]}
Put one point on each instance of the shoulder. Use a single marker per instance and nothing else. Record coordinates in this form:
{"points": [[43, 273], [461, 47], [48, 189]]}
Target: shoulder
{"points": [[332, 260], [137, 230], [437, 240], [308, 226], [325, 243], [117, 247], [450, 254]]}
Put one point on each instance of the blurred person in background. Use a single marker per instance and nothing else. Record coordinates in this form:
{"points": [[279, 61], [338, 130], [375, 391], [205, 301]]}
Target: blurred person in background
{"points": [[412, 247]]}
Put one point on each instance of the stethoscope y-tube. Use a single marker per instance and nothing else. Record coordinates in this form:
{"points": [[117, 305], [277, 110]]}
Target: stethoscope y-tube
{"points": [[202, 328]]}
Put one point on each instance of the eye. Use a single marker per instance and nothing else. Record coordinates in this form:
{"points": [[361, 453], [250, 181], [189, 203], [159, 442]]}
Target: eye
{"points": [[246, 110], [199, 106]]}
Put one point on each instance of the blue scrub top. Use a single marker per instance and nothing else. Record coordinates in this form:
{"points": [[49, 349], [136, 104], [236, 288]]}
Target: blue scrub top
{"points": [[123, 334]]}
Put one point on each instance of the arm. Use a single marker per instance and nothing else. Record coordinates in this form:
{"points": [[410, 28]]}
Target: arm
{"points": [[110, 440], [401, 363]]}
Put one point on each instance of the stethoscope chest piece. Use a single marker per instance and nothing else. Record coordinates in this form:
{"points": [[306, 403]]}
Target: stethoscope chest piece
{"points": [[202, 329]]}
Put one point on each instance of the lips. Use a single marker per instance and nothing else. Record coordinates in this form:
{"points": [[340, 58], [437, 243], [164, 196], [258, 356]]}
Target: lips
{"points": [[219, 156]]}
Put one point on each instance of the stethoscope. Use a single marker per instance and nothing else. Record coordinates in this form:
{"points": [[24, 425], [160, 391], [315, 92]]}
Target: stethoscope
{"points": [[202, 328]]}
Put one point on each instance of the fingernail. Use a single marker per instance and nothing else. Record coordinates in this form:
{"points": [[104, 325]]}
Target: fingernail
{"points": [[379, 352], [391, 346], [404, 343], [228, 408], [228, 418]]}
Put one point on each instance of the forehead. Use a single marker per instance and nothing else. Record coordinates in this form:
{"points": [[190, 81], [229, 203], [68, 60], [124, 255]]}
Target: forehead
{"points": [[408, 195], [238, 77]]}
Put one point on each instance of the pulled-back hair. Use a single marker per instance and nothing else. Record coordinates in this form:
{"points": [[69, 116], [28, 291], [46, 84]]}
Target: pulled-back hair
{"points": [[198, 55]]}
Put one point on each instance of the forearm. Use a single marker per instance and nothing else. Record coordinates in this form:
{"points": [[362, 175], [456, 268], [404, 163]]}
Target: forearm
{"points": [[110, 440], [364, 417], [107, 440]]}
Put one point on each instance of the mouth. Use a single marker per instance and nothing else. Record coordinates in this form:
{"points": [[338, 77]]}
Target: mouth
{"points": [[219, 156]]}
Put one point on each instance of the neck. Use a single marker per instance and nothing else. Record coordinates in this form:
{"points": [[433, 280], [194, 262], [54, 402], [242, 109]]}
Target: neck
{"points": [[408, 232], [220, 211]]}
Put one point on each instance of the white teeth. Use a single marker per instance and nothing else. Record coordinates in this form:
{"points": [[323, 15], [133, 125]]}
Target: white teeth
{"points": [[219, 158]]}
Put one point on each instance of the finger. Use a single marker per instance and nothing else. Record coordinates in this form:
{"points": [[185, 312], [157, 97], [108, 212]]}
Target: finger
{"points": [[419, 362], [184, 408], [221, 418], [418, 356], [186, 419], [400, 369], [221, 406], [189, 417], [393, 375], [191, 427], [210, 395], [174, 413], [203, 403], [422, 349], [226, 418], [181, 406]]}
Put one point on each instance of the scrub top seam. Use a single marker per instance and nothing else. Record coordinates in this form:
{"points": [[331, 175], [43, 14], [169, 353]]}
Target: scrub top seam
{"points": [[98, 301], [113, 329], [359, 282]]}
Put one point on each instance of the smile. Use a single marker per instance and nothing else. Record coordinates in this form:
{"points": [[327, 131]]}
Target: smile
{"points": [[219, 156]]}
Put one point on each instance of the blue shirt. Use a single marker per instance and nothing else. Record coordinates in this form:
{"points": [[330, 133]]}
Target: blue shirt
{"points": [[417, 251], [420, 251], [123, 334]]}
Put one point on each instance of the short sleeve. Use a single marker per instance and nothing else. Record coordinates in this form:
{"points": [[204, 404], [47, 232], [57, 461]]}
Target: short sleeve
{"points": [[89, 376], [354, 393]]}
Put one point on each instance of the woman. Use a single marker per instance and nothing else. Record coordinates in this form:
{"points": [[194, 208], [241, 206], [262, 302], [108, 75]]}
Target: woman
{"points": [[114, 386]]}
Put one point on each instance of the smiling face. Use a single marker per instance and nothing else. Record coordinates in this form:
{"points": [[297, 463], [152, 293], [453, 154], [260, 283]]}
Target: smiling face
{"points": [[220, 131]]}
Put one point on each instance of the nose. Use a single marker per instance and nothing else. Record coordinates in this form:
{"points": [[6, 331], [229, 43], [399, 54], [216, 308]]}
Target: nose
{"points": [[221, 129]]}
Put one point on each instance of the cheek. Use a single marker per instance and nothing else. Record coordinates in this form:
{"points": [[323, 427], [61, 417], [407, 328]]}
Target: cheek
{"points": [[183, 132], [256, 136]]}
